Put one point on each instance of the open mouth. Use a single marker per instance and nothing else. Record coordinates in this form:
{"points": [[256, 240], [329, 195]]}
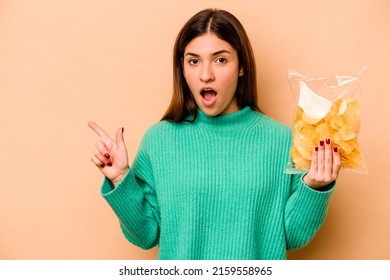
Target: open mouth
{"points": [[209, 95]]}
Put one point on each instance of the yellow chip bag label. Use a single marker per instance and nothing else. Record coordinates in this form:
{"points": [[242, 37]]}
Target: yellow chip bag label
{"points": [[332, 113]]}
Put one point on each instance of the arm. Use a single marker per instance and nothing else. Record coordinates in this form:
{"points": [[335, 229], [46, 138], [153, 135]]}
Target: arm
{"points": [[307, 205], [305, 212], [134, 202], [129, 192]]}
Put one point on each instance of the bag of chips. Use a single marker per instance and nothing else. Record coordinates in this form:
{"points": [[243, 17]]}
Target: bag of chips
{"points": [[328, 107]]}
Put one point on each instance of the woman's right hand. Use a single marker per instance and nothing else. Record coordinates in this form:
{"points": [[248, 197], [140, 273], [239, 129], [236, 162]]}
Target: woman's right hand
{"points": [[110, 156]]}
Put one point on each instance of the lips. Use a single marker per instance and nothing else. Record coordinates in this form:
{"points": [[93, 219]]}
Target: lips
{"points": [[209, 96]]}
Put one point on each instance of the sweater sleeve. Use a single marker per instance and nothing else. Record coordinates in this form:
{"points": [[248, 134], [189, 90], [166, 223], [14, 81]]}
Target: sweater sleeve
{"points": [[134, 202], [305, 212]]}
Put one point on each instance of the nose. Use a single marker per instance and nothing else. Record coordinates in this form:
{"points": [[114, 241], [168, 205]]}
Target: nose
{"points": [[206, 73]]}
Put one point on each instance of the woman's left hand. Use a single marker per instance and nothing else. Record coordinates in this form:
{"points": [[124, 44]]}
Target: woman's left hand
{"points": [[325, 165]]}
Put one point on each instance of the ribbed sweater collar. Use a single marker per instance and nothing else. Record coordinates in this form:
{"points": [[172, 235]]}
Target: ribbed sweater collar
{"points": [[234, 121]]}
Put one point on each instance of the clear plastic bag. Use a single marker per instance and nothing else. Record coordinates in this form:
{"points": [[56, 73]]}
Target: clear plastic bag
{"points": [[327, 107]]}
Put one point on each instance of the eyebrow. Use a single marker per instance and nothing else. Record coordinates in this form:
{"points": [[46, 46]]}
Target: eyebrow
{"points": [[213, 54]]}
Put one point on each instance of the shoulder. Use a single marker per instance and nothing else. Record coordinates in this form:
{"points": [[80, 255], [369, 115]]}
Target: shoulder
{"points": [[274, 134], [271, 125], [161, 130]]}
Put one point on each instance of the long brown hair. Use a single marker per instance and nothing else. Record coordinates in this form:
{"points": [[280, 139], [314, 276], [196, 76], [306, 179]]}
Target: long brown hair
{"points": [[227, 27]]}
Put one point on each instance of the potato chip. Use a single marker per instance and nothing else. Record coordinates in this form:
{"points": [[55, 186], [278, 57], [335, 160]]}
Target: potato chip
{"points": [[337, 122], [307, 132], [298, 114], [299, 161], [352, 160], [353, 106], [325, 111], [323, 131], [345, 146], [341, 125], [303, 146], [352, 121], [302, 139], [347, 134], [336, 106], [309, 120]]}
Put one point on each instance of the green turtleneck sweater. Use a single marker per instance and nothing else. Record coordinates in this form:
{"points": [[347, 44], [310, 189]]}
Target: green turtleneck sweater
{"points": [[215, 188]]}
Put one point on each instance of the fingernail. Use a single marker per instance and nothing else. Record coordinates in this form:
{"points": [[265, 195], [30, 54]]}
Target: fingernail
{"points": [[107, 155], [109, 164], [328, 141], [123, 129], [321, 143], [335, 149], [316, 148], [102, 165]]}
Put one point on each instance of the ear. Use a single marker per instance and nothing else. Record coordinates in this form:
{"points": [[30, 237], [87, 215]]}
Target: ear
{"points": [[241, 73]]}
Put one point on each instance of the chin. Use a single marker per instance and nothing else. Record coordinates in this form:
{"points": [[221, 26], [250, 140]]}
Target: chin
{"points": [[211, 112]]}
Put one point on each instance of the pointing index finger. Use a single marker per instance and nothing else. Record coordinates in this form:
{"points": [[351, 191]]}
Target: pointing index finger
{"points": [[99, 131]]}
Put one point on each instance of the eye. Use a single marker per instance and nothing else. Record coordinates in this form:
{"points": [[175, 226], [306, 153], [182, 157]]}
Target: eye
{"points": [[221, 60], [193, 61]]}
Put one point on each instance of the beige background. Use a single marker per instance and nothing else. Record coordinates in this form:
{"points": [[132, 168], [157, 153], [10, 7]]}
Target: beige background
{"points": [[63, 63]]}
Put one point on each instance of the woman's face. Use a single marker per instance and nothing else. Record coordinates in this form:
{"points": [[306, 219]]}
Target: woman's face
{"points": [[211, 70]]}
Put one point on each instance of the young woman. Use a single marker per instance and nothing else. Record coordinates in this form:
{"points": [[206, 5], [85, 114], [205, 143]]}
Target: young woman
{"points": [[208, 181]]}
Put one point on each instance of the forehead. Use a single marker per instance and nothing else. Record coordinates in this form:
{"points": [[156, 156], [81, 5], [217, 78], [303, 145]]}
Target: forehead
{"points": [[208, 43]]}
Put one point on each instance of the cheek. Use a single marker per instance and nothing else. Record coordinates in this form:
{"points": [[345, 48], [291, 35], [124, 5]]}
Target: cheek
{"points": [[189, 77], [231, 79]]}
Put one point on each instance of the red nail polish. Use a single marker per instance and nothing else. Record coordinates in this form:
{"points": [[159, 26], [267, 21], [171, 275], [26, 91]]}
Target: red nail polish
{"points": [[316, 148], [322, 143], [102, 165], [328, 141], [123, 129], [335, 149], [109, 164], [107, 155]]}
